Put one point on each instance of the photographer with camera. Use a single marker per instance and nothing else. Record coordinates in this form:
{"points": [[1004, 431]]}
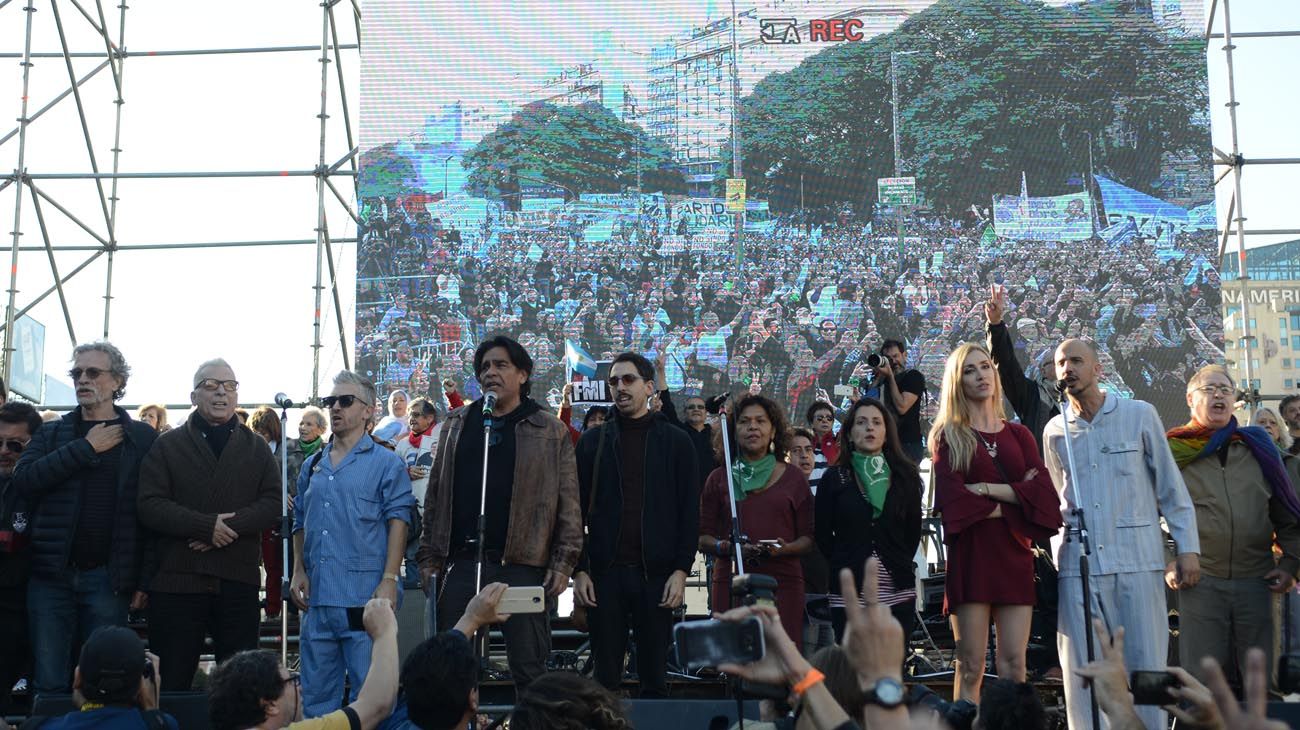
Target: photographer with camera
{"points": [[901, 388], [114, 687]]}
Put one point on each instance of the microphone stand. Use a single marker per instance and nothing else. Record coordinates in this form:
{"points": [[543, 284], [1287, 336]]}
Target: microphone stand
{"points": [[481, 637], [1079, 531], [286, 532], [731, 495]]}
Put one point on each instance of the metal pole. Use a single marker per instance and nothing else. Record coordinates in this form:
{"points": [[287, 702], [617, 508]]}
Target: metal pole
{"points": [[1243, 276], [117, 151], [186, 52], [898, 163], [320, 201], [20, 171], [737, 170]]}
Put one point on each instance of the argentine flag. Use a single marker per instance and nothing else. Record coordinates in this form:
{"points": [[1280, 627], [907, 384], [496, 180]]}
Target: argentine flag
{"points": [[579, 359]]}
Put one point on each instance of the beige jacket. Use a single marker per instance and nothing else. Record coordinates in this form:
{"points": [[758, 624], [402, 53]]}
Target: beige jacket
{"points": [[1237, 516]]}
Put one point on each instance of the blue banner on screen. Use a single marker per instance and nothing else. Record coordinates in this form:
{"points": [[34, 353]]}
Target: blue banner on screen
{"points": [[1059, 218]]}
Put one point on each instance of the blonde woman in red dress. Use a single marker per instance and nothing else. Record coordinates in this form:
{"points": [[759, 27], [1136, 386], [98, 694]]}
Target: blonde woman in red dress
{"points": [[995, 498]]}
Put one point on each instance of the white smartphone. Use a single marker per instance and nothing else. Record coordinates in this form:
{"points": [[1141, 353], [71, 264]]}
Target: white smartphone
{"points": [[523, 599]]}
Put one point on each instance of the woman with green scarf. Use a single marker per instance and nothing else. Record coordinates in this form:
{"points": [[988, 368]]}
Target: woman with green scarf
{"points": [[774, 504], [869, 504]]}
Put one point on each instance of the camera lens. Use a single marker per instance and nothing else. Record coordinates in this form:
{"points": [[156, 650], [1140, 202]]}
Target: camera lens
{"points": [[873, 360]]}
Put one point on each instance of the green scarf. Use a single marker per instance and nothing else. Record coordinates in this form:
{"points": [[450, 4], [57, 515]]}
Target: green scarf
{"points": [[873, 479], [749, 476], [311, 447]]}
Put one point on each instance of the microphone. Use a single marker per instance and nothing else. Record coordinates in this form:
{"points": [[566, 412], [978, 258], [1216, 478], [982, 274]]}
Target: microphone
{"points": [[489, 403], [283, 401], [1061, 386]]}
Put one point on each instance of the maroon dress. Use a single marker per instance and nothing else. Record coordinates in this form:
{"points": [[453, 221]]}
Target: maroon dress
{"points": [[990, 560], [783, 510]]}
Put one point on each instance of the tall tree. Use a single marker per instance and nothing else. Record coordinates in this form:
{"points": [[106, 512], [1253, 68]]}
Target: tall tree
{"points": [[582, 148]]}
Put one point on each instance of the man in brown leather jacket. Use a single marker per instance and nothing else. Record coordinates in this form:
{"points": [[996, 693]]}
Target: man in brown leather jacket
{"points": [[533, 525]]}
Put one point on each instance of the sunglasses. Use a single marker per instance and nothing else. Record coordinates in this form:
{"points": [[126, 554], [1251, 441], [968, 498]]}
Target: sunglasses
{"points": [[695, 407], [211, 384], [627, 379], [344, 401], [13, 445], [92, 373]]}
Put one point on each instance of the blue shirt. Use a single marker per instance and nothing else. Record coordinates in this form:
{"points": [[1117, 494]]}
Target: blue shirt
{"points": [[343, 513]]}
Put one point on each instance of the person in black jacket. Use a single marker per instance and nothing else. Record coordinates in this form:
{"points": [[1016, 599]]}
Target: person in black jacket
{"points": [[641, 507], [80, 476], [1033, 401], [869, 505]]}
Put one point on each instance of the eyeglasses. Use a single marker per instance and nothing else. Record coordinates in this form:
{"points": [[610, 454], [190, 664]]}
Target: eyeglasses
{"points": [[627, 379], [13, 445], [695, 406], [92, 373], [1224, 390], [211, 384], [344, 401]]}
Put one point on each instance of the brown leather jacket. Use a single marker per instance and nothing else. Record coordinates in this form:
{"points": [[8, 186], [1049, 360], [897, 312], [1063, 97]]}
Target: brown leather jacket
{"points": [[545, 529]]}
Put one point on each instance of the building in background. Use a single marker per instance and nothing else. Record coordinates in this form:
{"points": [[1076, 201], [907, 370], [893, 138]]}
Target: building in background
{"points": [[1273, 290]]}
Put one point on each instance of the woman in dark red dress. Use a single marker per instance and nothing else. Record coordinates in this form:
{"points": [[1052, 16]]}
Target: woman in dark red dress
{"points": [[996, 498], [774, 504]]}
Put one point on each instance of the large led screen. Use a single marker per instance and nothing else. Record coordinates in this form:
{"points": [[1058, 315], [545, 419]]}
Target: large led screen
{"points": [[558, 172]]}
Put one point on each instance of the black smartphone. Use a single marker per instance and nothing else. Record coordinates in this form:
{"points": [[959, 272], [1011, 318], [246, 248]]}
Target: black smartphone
{"points": [[1152, 688], [711, 642], [356, 621]]}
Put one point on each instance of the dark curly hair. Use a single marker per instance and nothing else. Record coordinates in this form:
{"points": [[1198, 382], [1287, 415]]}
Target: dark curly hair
{"points": [[568, 701], [438, 676], [239, 686], [775, 414], [1009, 705]]}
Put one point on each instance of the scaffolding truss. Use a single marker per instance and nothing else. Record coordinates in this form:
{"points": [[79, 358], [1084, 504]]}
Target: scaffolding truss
{"points": [[98, 223], [1234, 164]]}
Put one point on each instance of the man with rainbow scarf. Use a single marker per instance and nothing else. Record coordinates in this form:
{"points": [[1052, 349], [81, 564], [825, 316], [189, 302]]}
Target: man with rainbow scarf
{"points": [[1245, 503]]}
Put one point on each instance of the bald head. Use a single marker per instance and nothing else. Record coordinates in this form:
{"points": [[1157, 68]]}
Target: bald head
{"points": [[1078, 364]]}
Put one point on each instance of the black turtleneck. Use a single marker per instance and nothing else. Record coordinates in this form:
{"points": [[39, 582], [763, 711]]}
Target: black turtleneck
{"points": [[217, 436], [632, 434]]}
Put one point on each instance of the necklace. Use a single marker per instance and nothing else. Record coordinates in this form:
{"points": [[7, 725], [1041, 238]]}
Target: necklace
{"points": [[992, 448]]}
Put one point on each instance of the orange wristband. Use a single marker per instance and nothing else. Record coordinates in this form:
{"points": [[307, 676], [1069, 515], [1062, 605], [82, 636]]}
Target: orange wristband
{"points": [[812, 677]]}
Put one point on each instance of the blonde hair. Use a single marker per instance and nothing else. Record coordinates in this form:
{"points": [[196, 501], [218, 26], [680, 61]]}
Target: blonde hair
{"points": [[952, 425], [1283, 439], [158, 410]]}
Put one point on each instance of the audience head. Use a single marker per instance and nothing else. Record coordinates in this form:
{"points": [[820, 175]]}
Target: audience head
{"points": [[48, 415], [870, 428], [803, 452], [1290, 410], [503, 366], [821, 417], [1267, 419], [18, 423], [594, 416], [756, 426], [1078, 364], [970, 381], [896, 352], [216, 392], [1210, 397], [696, 411], [114, 669], [397, 401], [266, 424], [311, 424], [252, 690], [99, 374], [441, 681], [841, 681], [631, 383], [568, 701], [351, 403], [422, 415], [154, 414], [1008, 705]]}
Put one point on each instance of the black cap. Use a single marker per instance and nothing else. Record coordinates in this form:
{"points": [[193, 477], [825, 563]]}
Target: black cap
{"points": [[112, 663]]}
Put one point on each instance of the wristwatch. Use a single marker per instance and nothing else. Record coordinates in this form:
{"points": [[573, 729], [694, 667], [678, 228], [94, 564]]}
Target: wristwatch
{"points": [[887, 692]]}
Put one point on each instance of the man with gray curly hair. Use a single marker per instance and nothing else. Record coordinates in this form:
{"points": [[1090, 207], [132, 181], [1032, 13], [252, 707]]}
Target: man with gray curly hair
{"points": [[81, 471]]}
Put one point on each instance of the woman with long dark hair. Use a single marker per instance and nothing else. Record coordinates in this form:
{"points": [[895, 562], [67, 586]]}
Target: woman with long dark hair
{"points": [[869, 504], [774, 504], [996, 498]]}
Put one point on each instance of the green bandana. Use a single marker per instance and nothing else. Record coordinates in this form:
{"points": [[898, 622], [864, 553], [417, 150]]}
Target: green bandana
{"points": [[750, 476], [311, 447], [873, 479]]}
